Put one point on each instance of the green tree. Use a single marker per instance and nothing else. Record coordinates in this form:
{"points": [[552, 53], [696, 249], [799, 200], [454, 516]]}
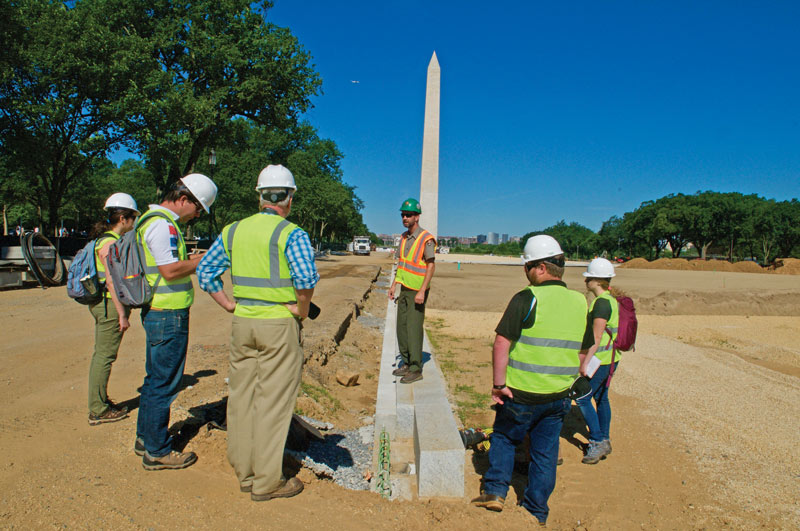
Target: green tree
{"points": [[208, 62], [572, 237], [61, 83]]}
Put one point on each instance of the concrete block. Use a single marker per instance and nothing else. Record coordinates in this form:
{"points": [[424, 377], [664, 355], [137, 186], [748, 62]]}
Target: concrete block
{"points": [[438, 449]]}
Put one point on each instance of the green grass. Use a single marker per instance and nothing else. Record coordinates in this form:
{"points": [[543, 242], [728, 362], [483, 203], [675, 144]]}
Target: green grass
{"points": [[469, 402], [320, 394]]}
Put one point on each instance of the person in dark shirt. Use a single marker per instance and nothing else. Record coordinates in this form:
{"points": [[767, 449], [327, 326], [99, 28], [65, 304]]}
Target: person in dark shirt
{"points": [[535, 362]]}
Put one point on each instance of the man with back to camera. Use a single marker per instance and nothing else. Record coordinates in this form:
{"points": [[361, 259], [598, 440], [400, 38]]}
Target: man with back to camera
{"points": [[415, 267], [273, 275], [168, 268], [535, 360]]}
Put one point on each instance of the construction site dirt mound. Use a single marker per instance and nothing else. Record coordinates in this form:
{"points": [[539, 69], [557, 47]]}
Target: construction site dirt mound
{"points": [[787, 266], [783, 266]]}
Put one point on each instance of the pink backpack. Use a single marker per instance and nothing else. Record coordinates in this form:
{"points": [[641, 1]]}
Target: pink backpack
{"points": [[626, 331], [628, 325]]}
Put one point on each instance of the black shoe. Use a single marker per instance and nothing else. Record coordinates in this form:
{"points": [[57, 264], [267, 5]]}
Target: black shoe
{"points": [[138, 447], [110, 415], [411, 377], [400, 371]]}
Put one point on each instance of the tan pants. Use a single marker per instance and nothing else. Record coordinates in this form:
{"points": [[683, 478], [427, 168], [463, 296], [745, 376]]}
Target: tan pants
{"points": [[266, 362]]}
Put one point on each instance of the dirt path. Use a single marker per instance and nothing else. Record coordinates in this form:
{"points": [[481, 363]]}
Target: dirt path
{"points": [[704, 414]]}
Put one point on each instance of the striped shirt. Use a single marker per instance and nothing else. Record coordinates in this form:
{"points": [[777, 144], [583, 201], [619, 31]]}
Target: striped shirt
{"points": [[299, 254]]}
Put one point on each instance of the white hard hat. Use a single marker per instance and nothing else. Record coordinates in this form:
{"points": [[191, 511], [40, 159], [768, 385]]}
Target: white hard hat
{"points": [[121, 200], [600, 268], [275, 176], [540, 246], [202, 188]]}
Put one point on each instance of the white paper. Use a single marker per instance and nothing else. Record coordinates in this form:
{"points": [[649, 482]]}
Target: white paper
{"points": [[592, 367]]}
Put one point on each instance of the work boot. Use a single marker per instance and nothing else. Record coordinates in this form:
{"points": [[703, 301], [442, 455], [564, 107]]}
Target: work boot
{"points": [[606, 445], [411, 377], [593, 453], [400, 371], [288, 488], [172, 461], [490, 501], [138, 447], [109, 415]]}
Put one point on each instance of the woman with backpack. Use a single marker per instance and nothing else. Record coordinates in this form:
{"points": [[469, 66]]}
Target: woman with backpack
{"points": [[110, 316], [603, 324]]}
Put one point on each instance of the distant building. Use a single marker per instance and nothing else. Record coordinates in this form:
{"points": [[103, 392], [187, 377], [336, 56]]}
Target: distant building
{"points": [[387, 239], [515, 238], [504, 238], [493, 238], [481, 238]]}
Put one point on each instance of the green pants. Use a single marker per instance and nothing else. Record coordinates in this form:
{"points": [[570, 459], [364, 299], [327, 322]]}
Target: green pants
{"points": [[410, 317], [107, 338]]}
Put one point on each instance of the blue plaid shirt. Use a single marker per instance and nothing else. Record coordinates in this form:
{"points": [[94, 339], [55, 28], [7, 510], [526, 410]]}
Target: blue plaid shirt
{"points": [[299, 254]]}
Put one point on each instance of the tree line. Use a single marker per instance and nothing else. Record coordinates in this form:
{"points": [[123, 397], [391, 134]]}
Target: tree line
{"points": [[726, 225], [171, 82]]}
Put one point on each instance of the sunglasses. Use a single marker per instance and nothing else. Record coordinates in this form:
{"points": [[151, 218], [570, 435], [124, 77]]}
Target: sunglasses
{"points": [[408, 214]]}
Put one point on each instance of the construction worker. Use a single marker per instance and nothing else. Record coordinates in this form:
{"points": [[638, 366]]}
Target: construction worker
{"points": [[415, 267], [110, 320], [168, 269], [535, 361], [602, 325], [273, 275]]}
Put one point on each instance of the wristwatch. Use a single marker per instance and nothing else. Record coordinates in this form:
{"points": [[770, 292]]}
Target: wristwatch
{"points": [[498, 387]]}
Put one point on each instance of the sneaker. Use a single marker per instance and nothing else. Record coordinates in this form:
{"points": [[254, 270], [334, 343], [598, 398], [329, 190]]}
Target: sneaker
{"points": [[606, 448], [400, 371], [490, 501], [172, 461], [593, 453], [138, 447], [110, 415], [112, 404], [411, 377], [288, 488]]}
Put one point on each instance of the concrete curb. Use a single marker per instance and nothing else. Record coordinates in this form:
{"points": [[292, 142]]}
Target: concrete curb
{"points": [[420, 411]]}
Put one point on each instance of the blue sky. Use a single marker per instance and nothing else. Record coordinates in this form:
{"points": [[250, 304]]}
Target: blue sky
{"points": [[555, 110]]}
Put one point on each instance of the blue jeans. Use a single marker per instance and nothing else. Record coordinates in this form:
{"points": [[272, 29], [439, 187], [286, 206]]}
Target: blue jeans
{"points": [[598, 421], [512, 422], [167, 340]]}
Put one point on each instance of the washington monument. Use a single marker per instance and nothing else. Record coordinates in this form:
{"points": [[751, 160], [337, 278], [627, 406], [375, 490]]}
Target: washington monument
{"points": [[429, 183]]}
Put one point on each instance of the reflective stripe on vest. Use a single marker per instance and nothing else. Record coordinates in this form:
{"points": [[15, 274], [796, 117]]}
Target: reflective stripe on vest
{"points": [[262, 281], [544, 359], [175, 294], [99, 264], [411, 266], [604, 350]]}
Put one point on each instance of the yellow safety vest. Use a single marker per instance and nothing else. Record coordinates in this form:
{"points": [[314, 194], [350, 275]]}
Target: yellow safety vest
{"points": [[99, 264], [411, 266], [262, 280], [604, 350], [544, 360], [175, 294]]}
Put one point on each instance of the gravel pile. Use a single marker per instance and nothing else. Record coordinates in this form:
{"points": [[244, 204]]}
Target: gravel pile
{"points": [[342, 456]]}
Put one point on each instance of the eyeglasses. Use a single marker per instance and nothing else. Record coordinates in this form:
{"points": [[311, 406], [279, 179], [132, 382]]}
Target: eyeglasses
{"points": [[408, 214]]}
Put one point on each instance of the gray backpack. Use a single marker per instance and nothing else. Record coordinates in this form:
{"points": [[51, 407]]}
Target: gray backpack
{"points": [[126, 266]]}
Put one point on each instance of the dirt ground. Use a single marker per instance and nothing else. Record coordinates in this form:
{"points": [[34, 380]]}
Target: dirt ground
{"points": [[704, 428]]}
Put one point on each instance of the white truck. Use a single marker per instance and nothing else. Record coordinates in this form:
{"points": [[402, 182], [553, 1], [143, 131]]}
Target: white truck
{"points": [[361, 245]]}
